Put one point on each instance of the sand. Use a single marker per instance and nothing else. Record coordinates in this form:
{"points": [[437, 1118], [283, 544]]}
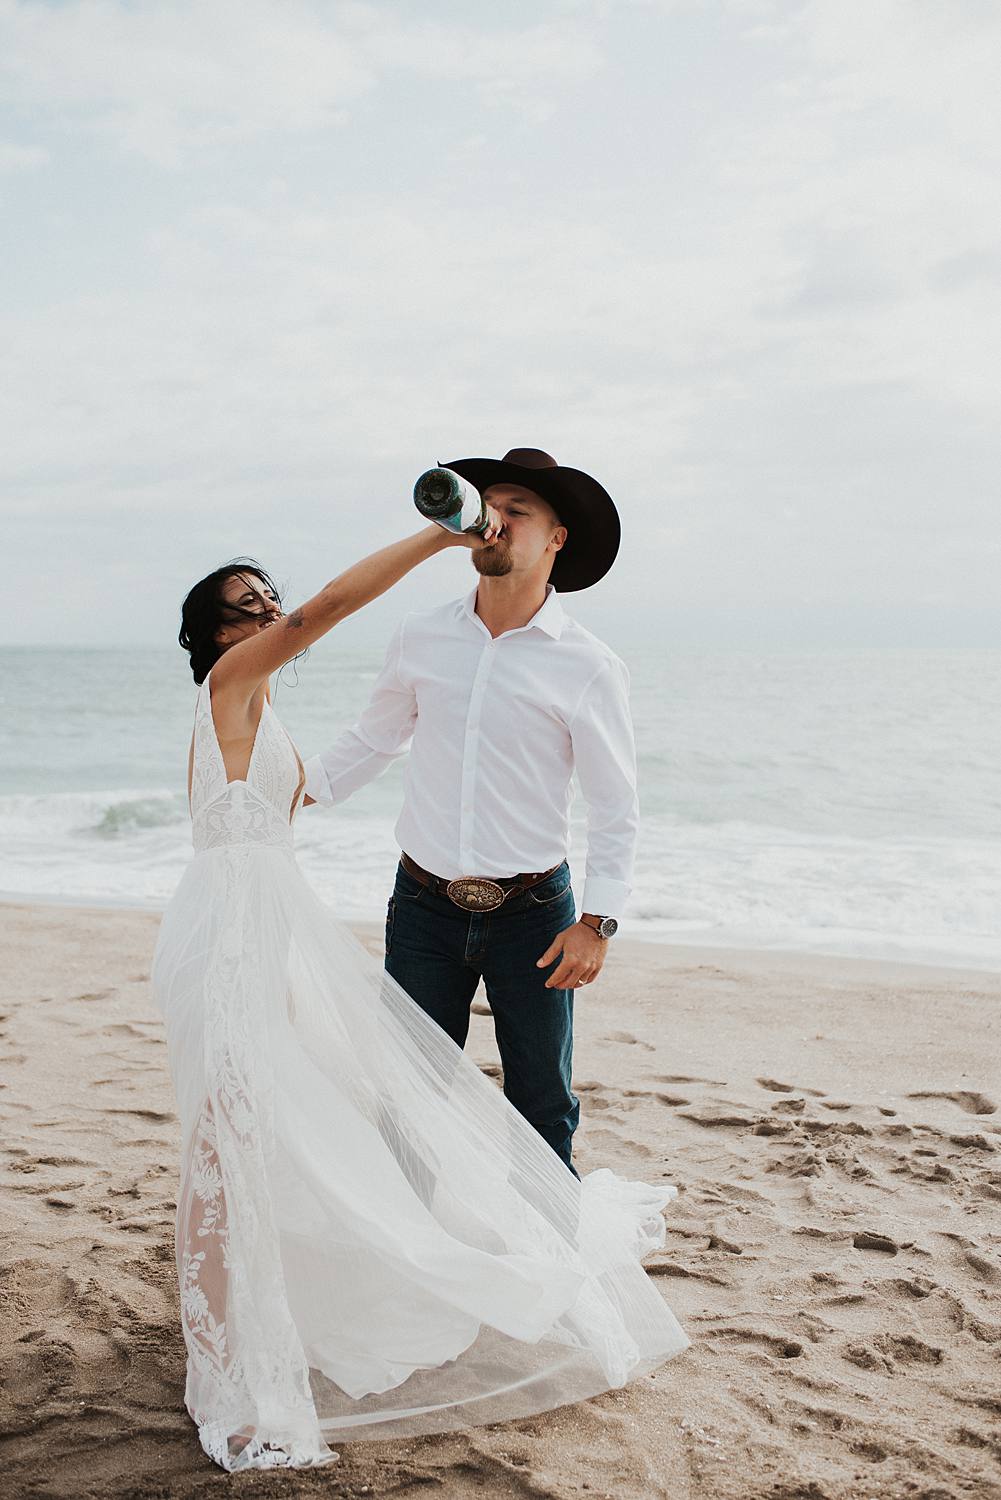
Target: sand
{"points": [[834, 1253]]}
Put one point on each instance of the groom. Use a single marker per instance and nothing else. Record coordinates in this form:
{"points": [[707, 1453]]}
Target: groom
{"points": [[499, 697]]}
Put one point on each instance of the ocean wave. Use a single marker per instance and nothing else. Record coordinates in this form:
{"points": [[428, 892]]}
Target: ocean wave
{"points": [[128, 813], [102, 814], [735, 884]]}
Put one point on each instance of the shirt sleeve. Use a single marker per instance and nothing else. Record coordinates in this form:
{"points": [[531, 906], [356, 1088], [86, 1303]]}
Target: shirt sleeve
{"points": [[605, 758], [369, 747]]}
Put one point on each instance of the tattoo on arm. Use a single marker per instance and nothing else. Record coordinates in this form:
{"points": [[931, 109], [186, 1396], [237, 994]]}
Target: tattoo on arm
{"points": [[294, 621]]}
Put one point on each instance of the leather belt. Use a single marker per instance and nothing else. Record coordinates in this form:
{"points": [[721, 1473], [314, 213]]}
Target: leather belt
{"points": [[473, 892]]}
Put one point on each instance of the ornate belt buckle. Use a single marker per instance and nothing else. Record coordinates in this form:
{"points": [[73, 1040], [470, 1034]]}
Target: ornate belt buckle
{"points": [[474, 894]]}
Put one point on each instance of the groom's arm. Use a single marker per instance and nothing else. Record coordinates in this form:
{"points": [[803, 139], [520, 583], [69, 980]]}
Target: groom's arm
{"points": [[601, 732], [381, 735], [605, 759]]}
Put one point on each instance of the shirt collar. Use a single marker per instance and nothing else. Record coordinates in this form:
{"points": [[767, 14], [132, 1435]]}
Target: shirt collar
{"points": [[548, 617]]}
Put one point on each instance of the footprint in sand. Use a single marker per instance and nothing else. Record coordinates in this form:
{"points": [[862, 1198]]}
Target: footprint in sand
{"points": [[720, 1242], [990, 1187], [715, 1117], [988, 1269], [123, 1028], [670, 1099], [907, 1349], [973, 1103], [917, 1287], [62, 1189], [789, 1088], [835, 1236], [157, 1115], [629, 1039], [716, 1083], [599, 1100], [864, 1357], [869, 1239], [64, 1161], [607, 1138], [675, 1267], [771, 1343]]}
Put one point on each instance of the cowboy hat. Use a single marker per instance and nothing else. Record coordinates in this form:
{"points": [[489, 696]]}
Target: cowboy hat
{"points": [[584, 507]]}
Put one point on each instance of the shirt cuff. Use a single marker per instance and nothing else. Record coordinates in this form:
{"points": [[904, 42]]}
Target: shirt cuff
{"points": [[604, 897], [318, 782]]}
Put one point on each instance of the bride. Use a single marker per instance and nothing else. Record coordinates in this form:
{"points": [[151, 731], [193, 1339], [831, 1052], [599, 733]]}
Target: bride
{"points": [[371, 1241]]}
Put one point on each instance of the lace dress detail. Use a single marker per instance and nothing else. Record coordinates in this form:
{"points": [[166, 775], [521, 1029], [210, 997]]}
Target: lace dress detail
{"points": [[243, 1349], [371, 1241]]}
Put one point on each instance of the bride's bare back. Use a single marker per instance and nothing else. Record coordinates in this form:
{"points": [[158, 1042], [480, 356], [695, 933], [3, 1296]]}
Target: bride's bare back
{"points": [[236, 750]]}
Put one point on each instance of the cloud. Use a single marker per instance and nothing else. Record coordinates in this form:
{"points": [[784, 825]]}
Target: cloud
{"points": [[752, 286], [166, 80], [18, 158]]}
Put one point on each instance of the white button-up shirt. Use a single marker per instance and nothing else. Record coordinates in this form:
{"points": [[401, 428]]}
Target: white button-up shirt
{"points": [[495, 730]]}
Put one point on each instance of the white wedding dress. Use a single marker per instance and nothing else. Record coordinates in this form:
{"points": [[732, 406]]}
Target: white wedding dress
{"points": [[371, 1241]]}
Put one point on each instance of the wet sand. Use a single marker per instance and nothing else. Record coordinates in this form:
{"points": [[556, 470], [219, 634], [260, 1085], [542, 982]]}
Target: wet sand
{"points": [[834, 1128]]}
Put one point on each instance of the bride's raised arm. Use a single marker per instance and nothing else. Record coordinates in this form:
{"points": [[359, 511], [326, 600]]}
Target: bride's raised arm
{"points": [[247, 663]]}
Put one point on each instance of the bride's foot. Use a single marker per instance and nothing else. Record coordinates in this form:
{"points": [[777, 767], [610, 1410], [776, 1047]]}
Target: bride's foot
{"points": [[237, 1441], [265, 1455]]}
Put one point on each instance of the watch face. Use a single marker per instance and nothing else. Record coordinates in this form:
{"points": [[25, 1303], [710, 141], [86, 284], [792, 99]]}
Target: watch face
{"points": [[609, 927]]}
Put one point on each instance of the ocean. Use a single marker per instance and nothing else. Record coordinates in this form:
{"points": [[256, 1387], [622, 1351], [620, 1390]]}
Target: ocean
{"points": [[846, 802]]}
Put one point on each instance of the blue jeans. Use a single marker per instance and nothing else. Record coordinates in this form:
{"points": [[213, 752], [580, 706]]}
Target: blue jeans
{"points": [[438, 953]]}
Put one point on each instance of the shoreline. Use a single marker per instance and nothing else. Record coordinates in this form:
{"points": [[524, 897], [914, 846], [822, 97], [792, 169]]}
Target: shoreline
{"points": [[833, 1127], [686, 951]]}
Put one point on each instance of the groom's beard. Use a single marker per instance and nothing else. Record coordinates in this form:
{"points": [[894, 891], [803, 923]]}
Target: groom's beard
{"points": [[493, 561]]}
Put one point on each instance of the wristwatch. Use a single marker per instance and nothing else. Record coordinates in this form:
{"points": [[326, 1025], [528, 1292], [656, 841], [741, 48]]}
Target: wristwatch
{"points": [[605, 927]]}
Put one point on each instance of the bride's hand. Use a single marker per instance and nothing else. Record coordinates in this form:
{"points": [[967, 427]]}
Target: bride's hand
{"points": [[473, 540]]}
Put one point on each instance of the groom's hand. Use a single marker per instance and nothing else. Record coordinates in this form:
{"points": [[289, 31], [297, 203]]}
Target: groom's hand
{"points": [[583, 955], [495, 525]]}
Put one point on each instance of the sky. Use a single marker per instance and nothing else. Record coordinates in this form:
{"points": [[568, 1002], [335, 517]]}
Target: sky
{"points": [[264, 261]]}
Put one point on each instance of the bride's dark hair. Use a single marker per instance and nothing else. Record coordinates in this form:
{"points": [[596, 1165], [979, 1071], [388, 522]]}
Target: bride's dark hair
{"points": [[204, 610]]}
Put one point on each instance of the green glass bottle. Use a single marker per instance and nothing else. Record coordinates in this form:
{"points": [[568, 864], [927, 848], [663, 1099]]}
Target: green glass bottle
{"points": [[446, 498]]}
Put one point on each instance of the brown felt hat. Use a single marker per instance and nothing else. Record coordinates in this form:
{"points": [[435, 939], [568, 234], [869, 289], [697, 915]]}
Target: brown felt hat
{"points": [[584, 507]]}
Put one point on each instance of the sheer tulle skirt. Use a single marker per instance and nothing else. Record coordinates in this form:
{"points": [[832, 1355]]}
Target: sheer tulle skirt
{"points": [[370, 1240]]}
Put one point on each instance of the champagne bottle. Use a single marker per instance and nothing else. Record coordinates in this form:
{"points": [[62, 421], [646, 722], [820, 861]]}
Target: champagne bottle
{"points": [[448, 499]]}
